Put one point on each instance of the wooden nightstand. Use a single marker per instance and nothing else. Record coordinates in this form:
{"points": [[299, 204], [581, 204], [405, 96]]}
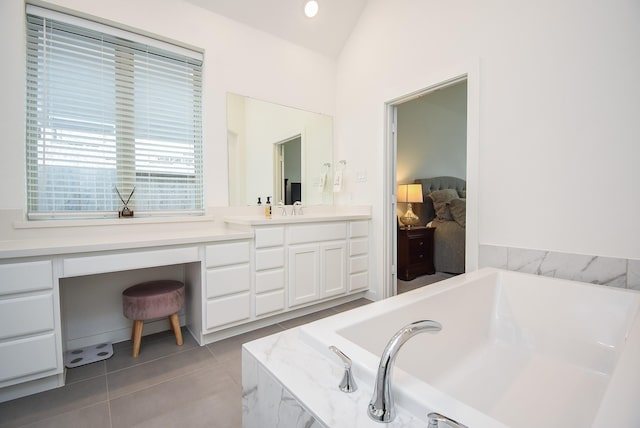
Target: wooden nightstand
{"points": [[415, 252]]}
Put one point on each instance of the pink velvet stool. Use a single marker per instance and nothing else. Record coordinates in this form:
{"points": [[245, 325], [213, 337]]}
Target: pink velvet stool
{"points": [[149, 300]]}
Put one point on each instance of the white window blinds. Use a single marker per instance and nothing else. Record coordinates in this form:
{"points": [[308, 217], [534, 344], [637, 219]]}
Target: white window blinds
{"points": [[106, 111]]}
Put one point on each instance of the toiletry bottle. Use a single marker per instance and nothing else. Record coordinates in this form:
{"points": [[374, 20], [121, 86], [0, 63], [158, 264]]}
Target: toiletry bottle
{"points": [[267, 208], [259, 201]]}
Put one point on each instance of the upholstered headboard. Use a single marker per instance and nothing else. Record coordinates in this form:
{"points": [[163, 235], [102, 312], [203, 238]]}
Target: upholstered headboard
{"points": [[437, 183]]}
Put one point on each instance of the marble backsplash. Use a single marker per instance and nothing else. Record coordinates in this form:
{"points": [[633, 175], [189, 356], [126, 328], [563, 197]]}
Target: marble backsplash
{"points": [[610, 271]]}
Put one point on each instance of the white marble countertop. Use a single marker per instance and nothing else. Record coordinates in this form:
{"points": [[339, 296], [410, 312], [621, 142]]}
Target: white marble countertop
{"points": [[313, 378], [55, 246]]}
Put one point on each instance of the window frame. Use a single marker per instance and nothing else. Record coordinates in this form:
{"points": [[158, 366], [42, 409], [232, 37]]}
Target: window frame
{"points": [[127, 170]]}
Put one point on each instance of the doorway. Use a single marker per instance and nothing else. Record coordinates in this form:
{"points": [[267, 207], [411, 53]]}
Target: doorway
{"points": [[288, 170], [431, 148], [391, 224]]}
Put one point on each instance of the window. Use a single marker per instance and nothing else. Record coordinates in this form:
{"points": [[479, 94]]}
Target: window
{"points": [[109, 109]]}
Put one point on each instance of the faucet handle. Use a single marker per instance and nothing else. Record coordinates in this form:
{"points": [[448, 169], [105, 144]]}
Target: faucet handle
{"points": [[348, 383], [283, 211], [434, 418], [296, 208]]}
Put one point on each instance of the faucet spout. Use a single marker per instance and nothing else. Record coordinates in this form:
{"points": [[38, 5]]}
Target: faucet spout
{"points": [[381, 407]]}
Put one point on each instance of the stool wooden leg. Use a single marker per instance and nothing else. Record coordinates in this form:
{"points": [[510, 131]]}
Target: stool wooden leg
{"points": [[137, 336], [133, 330], [175, 325]]}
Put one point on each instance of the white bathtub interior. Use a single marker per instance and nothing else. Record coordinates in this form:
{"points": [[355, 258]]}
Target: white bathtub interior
{"points": [[524, 350]]}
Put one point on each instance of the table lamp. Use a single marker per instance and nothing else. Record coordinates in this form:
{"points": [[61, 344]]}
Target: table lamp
{"points": [[410, 193]]}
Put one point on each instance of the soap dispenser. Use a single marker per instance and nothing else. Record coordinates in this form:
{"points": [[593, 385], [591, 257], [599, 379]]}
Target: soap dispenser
{"points": [[267, 208]]}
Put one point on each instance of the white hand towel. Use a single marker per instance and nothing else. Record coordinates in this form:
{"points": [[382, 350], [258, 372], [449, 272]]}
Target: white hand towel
{"points": [[337, 182]]}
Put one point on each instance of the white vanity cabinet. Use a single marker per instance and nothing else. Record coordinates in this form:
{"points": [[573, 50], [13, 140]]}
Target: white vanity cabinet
{"points": [[269, 270], [358, 255], [28, 314], [317, 261], [228, 284]]}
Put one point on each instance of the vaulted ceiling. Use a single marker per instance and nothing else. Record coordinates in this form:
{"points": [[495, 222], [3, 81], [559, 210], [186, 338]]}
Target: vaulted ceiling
{"points": [[326, 33]]}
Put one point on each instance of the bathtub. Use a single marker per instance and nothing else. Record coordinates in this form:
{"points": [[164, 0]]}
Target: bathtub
{"points": [[516, 350]]}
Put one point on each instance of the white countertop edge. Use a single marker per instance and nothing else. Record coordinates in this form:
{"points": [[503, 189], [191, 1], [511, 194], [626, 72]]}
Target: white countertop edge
{"points": [[56, 246], [110, 221], [313, 380], [278, 219]]}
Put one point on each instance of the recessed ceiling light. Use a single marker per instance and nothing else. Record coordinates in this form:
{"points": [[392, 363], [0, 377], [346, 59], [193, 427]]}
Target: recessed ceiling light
{"points": [[311, 8]]}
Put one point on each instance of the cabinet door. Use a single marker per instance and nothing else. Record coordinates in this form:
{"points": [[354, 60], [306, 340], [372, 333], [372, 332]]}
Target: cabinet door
{"points": [[333, 270], [304, 279]]}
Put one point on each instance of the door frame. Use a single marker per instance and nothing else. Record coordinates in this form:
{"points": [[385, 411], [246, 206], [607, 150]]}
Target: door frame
{"points": [[470, 73]]}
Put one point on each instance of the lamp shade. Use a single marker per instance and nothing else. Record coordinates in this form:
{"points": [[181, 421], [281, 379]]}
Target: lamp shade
{"points": [[410, 193]]}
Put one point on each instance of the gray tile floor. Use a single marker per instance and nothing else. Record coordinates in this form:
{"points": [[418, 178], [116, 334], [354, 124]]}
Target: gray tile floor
{"points": [[421, 281], [166, 386]]}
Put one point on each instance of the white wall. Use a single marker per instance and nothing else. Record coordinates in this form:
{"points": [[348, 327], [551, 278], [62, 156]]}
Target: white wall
{"points": [[237, 59], [558, 124], [558, 112], [432, 135]]}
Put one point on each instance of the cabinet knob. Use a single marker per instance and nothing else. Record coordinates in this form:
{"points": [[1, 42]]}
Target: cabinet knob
{"points": [[421, 256], [421, 243]]}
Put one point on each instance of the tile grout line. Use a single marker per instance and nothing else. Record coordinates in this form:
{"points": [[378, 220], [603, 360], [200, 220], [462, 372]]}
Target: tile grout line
{"points": [[168, 379], [106, 381]]}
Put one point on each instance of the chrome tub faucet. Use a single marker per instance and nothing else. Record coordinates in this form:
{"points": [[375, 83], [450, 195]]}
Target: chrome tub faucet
{"points": [[434, 418], [381, 407]]}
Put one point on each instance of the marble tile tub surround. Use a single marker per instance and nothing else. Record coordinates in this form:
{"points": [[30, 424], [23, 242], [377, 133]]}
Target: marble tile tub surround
{"points": [[609, 271], [310, 378], [266, 403]]}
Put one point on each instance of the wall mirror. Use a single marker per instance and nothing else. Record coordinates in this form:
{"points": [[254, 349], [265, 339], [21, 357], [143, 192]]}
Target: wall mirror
{"points": [[277, 151]]}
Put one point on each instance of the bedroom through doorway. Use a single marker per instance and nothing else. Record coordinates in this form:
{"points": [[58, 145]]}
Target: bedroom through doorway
{"points": [[430, 163]]}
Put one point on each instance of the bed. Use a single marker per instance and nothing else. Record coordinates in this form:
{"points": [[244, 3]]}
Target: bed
{"points": [[444, 208]]}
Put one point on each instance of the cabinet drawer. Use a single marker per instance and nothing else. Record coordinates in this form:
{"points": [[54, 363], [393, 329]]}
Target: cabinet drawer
{"points": [[417, 257], [23, 277], [225, 310], [28, 356], [228, 280], [358, 264], [358, 281], [269, 280], [26, 315], [269, 259], [126, 260], [333, 231], [358, 246], [269, 237], [358, 229], [227, 254], [417, 245], [269, 302]]}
